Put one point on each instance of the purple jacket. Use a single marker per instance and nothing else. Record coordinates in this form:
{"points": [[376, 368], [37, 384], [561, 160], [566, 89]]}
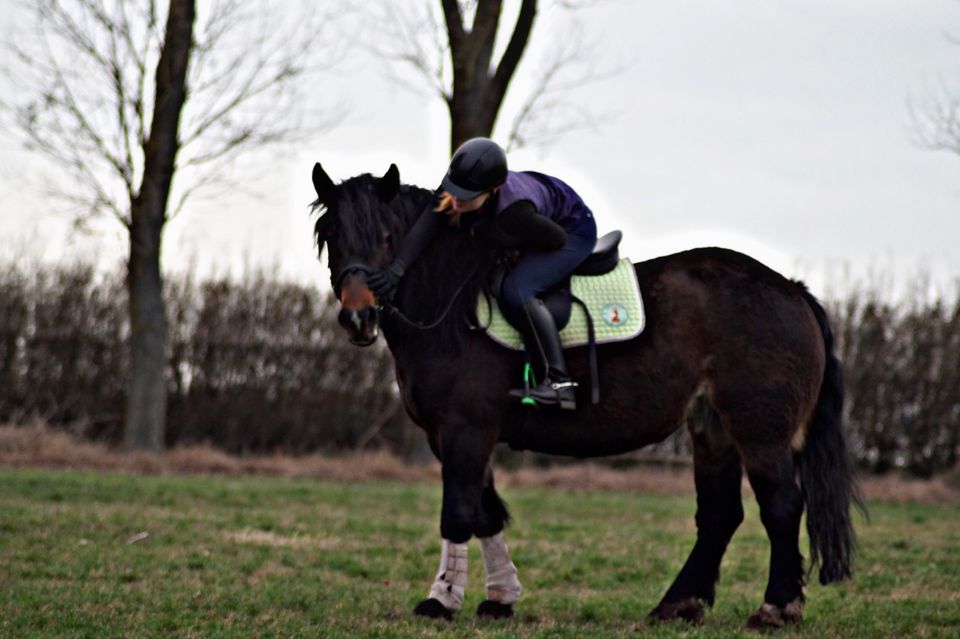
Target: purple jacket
{"points": [[551, 197]]}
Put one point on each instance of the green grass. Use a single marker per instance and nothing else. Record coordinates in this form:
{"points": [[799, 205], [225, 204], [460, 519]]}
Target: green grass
{"points": [[271, 557]]}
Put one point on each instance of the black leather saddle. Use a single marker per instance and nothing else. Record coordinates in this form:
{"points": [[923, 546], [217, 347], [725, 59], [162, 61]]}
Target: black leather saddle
{"points": [[605, 255]]}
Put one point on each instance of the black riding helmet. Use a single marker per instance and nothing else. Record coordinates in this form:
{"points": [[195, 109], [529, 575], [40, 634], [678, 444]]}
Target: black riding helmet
{"points": [[475, 168]]}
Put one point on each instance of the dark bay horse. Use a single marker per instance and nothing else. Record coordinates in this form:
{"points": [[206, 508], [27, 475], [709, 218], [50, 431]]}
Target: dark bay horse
{"points": [[728, 341]]}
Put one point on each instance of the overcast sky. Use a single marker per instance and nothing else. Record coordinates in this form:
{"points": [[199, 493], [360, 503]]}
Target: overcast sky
{"points": [[779, 129]]}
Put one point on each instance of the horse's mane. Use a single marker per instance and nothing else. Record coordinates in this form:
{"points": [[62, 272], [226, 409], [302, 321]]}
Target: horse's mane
{"points": [[454, 258], [359, 218]]}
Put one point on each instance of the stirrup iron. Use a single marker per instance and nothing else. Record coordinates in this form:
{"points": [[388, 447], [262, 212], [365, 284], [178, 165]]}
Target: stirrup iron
{"points": [[567, 401]]}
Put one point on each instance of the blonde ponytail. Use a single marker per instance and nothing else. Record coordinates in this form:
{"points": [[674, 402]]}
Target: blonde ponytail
{"points": [[445, 205]]}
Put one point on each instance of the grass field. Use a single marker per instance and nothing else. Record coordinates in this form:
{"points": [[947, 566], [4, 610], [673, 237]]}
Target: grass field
{"points": [[86, 554]]}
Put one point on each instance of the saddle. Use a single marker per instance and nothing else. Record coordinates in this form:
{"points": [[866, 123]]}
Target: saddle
{"points": [[559, 300], [604, 285]]}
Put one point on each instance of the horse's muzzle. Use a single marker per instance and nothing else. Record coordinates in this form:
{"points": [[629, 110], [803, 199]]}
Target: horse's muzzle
{"points": [[362, 324], [358, 313]]}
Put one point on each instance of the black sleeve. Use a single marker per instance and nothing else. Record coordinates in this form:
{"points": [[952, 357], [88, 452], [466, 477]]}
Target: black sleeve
{"points": [[422, 232], [521, 221]]}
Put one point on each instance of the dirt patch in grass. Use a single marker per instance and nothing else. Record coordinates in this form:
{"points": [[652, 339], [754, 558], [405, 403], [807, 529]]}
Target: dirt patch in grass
{"points": [[35, 445], [944, 489], [592, 476], [267, 538], [38, 446]]}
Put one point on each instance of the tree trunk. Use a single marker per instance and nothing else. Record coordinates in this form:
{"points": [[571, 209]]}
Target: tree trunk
{"points": [[478, 88], [146, 408]]}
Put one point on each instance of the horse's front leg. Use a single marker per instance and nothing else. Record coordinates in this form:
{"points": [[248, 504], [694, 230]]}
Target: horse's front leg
{"points": [[464, 454], [503, 586], [447, 591]]}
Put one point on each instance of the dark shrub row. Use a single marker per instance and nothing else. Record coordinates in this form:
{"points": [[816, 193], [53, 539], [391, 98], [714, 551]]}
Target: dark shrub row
{"points": [[262, 365], [902, 365], [254, 366]]}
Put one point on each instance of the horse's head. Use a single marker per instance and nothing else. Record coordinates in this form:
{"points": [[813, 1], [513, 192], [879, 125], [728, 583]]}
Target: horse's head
{"points": [[358, 226]]}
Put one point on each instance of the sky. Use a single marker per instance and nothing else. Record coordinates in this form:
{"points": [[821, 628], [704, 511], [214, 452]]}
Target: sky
{"points": [[778, 129]]}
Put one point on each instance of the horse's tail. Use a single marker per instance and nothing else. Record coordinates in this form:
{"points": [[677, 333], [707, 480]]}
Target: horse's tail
{"points": [[827, 478]]}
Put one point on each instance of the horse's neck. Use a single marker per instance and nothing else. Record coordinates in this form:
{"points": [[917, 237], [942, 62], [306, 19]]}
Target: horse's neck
{"points": [[443, 274], [450, 253]]}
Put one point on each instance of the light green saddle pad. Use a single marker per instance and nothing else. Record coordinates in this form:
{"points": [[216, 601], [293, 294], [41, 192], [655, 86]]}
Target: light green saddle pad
{"points": [[615, 304]]}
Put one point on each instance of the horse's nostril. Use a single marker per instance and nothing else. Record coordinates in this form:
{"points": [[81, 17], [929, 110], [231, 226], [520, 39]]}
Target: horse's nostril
{"points": [[370, 315], [348, 319], [361, 324]]}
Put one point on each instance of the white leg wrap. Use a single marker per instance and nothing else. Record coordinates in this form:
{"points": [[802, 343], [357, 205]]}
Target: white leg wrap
{"points": [[451, 579], [502, 583]]}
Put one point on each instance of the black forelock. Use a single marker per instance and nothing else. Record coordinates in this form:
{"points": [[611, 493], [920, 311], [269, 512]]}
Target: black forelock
{"points": [[358, 214]]}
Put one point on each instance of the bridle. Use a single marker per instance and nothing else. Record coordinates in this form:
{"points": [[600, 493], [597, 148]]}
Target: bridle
{"points": [[356, 266], [353, 266]]}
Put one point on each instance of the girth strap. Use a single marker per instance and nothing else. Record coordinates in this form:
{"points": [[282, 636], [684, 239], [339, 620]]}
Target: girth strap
{"points": [[591, 352]]}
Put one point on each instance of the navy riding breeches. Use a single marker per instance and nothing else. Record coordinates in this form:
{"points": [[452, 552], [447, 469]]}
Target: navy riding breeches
{"points": [[538, 271]]}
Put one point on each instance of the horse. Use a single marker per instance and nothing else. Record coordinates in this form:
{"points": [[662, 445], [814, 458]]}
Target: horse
{"points": [[745, 350]]}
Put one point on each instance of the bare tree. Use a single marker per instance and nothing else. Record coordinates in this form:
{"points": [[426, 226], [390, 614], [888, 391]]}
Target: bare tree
{"points": [[936, 120], [125, 97], [458, 50]]}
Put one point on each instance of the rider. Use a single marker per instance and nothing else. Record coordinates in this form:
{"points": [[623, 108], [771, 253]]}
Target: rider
{"points": [[555, 230]]}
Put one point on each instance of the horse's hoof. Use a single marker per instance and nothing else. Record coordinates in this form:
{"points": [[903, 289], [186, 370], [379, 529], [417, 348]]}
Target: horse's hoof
{"points": [[770, 616], [690, 609], [494, 610], [433, 609]]}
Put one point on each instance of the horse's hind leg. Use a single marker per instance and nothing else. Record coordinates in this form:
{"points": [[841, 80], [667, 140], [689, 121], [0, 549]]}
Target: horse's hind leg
{"points": [[717, 474], [772, 476]]}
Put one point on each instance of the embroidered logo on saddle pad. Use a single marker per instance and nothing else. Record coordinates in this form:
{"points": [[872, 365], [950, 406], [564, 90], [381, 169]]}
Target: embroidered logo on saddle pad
{"points": [[613, 298]]}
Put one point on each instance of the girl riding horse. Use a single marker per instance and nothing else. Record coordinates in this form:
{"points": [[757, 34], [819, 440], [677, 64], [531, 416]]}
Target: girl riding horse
{"points": [[542, 216]]}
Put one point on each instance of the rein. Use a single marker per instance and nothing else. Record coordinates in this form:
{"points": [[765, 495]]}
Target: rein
{"points": [[394, 310]]}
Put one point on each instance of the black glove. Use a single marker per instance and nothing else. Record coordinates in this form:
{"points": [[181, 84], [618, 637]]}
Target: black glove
{"points": [[384, 282]]}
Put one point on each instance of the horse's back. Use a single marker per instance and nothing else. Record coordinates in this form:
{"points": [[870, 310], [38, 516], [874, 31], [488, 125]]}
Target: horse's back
{"points": [[720, 286], [714, 266]]}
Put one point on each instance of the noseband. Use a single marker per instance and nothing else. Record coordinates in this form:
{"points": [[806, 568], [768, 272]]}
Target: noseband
{"points": [[354, 266]]}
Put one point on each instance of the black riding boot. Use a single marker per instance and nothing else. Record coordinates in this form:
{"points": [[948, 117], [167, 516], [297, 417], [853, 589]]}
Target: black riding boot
{"points": [[557, 388]]}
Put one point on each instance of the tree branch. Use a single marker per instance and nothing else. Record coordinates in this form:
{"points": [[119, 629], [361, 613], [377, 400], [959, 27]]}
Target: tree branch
{"points": [[936, 122], [120, 96], [454, 21], [399, 38], [85, 93], [548, 112], [515, 48], [483, 33]]}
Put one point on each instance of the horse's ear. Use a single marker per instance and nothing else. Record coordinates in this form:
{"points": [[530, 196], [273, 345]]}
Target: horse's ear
{"points": [[322, 183], [389, 185]]}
